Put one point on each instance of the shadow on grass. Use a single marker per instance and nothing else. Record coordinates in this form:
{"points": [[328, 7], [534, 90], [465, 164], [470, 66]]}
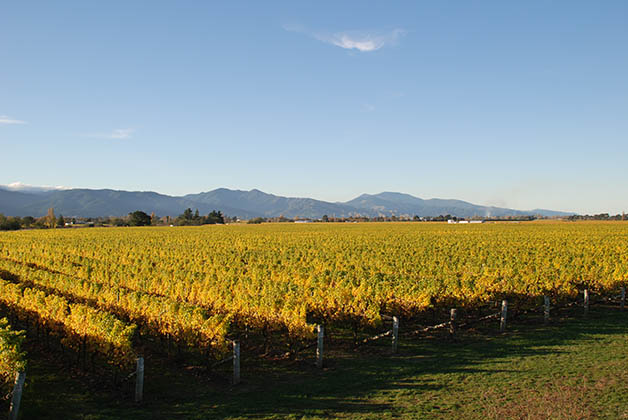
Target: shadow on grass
{"points": [[346, 386]]}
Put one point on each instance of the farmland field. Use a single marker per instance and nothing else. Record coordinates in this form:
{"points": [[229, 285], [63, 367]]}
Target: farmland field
{"points": [[101, 296]]}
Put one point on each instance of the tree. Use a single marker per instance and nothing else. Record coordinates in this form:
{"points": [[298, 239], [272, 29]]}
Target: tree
{"points": [[9, 223], [60, 221], [325, 218], [116, 221], [185, 219], [28, 221], [51, 220], [215, 217], [139, 218], [256, 221]]}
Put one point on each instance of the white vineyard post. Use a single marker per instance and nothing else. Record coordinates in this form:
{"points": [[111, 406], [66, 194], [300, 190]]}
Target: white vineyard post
{"points": [[20, 377], [623, 297], [502, 324], [236, 362], [546, 310], [139, 380], [586, 301], [395, 334], [452, 321], [319, 348]]}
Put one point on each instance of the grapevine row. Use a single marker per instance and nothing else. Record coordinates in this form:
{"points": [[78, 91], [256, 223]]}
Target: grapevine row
{"points": [[12, 358], [81, 325], [186, 323]]}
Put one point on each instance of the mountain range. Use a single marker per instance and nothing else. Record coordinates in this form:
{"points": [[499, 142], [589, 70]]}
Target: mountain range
{"points": [[243, 204]]}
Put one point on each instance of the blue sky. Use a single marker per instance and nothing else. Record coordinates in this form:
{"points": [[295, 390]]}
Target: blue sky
{"points": [[518, 104]]}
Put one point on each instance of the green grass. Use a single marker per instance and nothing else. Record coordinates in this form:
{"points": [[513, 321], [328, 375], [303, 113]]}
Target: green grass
{"points": [[574, 368]]}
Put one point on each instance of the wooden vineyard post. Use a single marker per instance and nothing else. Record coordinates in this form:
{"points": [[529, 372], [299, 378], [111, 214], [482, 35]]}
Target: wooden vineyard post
{"points": [[502, 324], [395, 334], [139, 380], [236, 362], [546, 309], [452, 321], [20, 377], [623, 297], [586, 302], [319, 348]]}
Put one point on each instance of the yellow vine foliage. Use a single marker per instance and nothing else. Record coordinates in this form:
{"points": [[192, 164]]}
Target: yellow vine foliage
{"points": [[100, 330], [12, 358], [192, 282]]}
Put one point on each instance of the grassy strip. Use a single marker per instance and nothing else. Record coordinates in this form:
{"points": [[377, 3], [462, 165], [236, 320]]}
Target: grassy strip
{"points": [[574, 368]]}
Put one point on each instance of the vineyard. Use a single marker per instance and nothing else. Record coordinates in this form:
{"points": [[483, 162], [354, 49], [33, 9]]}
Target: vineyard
{"points": [[103, 296]]}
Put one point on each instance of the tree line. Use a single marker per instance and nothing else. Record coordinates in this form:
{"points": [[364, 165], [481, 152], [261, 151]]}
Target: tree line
{"points": [[187, 218], [136, 218], [601, 216], [30, 222]]}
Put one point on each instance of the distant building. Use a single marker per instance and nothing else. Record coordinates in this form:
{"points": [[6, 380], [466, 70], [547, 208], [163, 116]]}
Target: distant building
{"points": [[453, 222]]}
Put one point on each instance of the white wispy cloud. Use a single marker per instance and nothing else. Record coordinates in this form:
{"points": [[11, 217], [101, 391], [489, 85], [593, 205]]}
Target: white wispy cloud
{"points": [[364, 41], [361, 41], [116, 134], [5, 119]]}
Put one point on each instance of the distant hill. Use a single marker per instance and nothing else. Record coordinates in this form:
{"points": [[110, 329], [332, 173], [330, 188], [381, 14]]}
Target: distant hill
{"points": [[13, 203], [390, 203], [269, 205], [243, 204]]}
